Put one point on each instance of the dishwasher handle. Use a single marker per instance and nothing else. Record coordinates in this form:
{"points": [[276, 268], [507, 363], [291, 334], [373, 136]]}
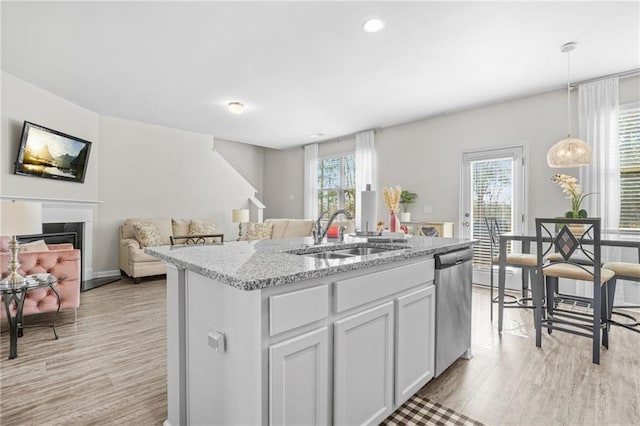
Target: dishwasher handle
{"points": [[453, 258]]}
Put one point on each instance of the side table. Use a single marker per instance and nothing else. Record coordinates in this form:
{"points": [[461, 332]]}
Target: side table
{"points": [[12, 294]]}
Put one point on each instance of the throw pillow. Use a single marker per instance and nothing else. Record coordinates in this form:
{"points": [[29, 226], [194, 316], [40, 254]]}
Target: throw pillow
{"points": [[147, 234], [202, 227], [39, 245], [258, 231]]}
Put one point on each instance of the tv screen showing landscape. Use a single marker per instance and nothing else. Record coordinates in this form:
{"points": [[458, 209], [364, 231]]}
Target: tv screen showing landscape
{"points": [[51, 154]]}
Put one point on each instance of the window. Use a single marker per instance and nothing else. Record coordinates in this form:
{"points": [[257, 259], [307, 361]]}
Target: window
{"points": [[629, 128], [337, 184]]}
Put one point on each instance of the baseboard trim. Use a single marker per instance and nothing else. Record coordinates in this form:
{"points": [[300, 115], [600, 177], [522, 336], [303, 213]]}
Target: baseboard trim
{"points": [[104, 274], [97, 282]]}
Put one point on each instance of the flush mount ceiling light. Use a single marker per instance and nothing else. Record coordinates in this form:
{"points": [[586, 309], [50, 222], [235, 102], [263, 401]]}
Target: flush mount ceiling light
{"points": [[373, 25], [236, 107], [569, 152], [316, 135]]}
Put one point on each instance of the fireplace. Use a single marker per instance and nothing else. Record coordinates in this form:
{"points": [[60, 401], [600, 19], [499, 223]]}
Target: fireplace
{"points": [[69, 217], [59, 233]]}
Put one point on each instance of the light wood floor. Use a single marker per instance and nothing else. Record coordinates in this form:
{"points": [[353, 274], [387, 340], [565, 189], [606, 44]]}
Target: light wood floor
{"points": [[107, 368], [110, 368], [511, 382]]}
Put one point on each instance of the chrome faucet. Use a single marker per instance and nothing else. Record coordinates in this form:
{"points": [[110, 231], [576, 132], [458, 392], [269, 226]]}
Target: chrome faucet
{"points": [[318, 232]]}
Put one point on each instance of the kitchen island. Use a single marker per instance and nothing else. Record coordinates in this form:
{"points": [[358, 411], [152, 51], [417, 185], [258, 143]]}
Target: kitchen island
{"points": [[285, 332]]}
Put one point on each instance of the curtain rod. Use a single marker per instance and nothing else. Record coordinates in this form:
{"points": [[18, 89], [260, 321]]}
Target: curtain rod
{"points": [[622, 74], [376, 130]]}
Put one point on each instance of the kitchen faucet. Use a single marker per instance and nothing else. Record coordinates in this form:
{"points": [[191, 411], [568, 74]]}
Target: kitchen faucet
{"points": [[318, 232]]}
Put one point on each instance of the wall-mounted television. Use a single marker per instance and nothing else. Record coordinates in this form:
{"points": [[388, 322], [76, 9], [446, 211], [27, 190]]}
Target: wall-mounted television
{"points": [[51, 154]]}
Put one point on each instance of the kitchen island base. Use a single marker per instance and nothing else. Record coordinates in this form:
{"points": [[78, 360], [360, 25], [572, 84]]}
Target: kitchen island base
{"points": [[343, 349]]}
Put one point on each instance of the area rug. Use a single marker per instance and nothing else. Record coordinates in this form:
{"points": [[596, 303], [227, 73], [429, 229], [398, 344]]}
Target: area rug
{"points": [[419, 411]]}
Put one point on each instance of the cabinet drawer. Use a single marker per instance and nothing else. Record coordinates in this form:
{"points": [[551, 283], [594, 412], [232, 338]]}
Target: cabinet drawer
{"points": [[290, 310], [367, 288]]}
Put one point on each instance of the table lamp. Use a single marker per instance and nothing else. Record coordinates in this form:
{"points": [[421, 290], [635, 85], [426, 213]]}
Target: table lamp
{"points": [[18, 218], [239, 216]]}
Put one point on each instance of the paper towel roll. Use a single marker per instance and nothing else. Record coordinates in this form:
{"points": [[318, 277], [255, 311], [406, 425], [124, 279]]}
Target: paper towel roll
{"points": [[369, 214]]}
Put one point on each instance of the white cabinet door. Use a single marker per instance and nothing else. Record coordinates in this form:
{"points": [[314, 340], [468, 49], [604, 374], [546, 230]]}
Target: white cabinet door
{"points": [[298, 380], [363, 367], [415, 339]]}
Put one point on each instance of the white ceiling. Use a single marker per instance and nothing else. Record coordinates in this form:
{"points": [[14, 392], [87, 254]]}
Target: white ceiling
{"points": [[307, 67]]}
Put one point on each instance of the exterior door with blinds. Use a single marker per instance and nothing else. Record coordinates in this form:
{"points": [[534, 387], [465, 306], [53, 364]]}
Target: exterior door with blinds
{"points": [[493, 186]]}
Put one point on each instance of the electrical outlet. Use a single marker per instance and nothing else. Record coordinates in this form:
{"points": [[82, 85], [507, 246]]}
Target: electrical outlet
{"points": [[428, 208]]}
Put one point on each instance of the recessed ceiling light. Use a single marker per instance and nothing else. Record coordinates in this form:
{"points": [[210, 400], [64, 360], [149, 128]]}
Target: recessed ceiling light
{"points": [[373, 25], [235, 107], [316, 135]]}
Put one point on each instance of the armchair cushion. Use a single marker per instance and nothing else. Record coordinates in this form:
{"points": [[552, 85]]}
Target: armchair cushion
{"points": [[202, 227], [290, 228], [259, 231], [180, 226], [279, 227], [39, 245], [163, 226], [298, 228], [147, 234]]}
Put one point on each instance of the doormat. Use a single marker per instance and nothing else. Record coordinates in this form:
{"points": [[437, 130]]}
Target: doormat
{"points": [[419, 411]]}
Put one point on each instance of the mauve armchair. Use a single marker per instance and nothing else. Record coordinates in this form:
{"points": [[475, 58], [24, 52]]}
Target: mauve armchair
{"points": [[62, 260]]}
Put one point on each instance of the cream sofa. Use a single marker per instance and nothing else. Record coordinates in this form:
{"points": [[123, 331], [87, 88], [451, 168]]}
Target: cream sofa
{"points": [[290, 228], [134, 262], [294, 228]]}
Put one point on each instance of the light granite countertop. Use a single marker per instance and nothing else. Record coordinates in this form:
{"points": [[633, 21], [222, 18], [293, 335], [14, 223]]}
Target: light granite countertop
{"points": [[253, 265]]}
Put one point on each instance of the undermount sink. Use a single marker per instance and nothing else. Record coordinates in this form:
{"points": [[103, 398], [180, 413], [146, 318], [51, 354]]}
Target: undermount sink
{"points": [[339, 252], [327, 255], [362, 251]]}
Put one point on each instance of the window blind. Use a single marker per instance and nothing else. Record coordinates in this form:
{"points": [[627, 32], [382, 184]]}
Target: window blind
{"points": [[492, 190], [629, 128]]}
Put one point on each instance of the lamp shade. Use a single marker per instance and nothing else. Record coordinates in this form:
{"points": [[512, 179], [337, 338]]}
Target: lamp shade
{"points": [[240, 215], [20, 218], [569, 152]]}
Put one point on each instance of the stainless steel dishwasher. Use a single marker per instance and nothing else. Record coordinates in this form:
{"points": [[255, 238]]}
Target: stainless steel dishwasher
{"points": [[453, 307]]}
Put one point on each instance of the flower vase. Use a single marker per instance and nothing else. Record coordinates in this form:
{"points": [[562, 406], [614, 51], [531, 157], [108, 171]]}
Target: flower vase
{"points": [[576, 229], [394, 223]]}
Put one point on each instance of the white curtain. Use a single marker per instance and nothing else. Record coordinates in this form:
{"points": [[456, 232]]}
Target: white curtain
{"points": [[365, 167], [598, 105], [598, 117], [311, 181]]}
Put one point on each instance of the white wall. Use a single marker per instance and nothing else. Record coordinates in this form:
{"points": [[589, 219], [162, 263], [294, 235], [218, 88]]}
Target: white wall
{"points": [[284, 183], [153, 171], [284, 177], [247, 159], [22, 101], [425, 156], [135, 169]]}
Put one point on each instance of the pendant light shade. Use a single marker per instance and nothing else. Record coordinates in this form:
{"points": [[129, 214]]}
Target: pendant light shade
{"points": [[569, 152]]}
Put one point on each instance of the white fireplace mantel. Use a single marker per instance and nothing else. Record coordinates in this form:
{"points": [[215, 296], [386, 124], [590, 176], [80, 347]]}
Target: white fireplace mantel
{"points": [[55, 210]]}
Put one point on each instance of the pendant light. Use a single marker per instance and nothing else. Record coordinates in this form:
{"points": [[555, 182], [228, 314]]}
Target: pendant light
{"points": [[569, 152]]}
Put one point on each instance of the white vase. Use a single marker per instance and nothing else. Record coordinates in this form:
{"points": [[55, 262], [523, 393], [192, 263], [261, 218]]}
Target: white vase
{"points": [[405, 217]]}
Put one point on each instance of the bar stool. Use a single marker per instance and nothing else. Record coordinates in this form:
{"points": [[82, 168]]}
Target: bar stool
{"points": [[624, 271], [555, 235], [527, 262]]}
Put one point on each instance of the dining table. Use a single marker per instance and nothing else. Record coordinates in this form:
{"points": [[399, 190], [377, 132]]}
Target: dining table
{"points": [[607, 239]]}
